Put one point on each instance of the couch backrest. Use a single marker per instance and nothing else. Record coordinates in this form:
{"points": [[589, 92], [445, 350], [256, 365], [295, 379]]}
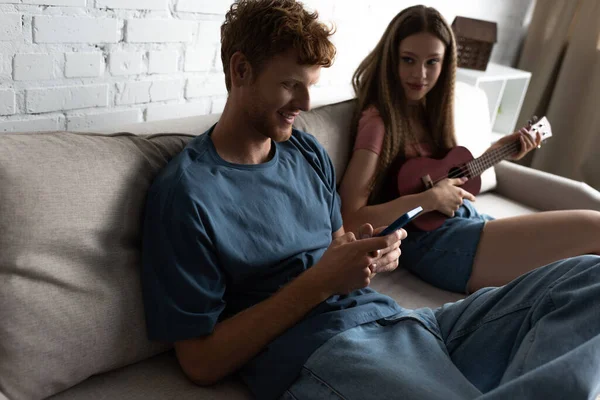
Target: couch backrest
{"points": [[70, 217]]}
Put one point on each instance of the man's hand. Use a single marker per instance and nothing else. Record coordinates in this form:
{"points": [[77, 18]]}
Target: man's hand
{"points": [[387, 259], [348, 263]]}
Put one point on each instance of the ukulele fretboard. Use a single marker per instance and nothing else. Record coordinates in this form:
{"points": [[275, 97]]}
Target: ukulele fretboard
{"points": [[491, 158]]}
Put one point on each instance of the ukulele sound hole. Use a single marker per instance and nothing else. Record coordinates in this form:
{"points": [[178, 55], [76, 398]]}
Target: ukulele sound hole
{"points": [[457, 172]]}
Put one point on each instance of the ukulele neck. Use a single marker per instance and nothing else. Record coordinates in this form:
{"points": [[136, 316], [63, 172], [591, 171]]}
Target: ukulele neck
{"points": [[491, 158]]}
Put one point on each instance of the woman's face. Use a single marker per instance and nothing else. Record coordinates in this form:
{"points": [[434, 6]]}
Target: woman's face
{"points": [[421, 59]]}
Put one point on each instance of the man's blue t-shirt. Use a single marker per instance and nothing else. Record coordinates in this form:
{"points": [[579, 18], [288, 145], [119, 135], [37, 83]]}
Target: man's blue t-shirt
{"points": [[221, 237]]}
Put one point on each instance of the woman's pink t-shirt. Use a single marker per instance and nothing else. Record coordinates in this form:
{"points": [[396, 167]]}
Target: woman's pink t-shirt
{"points": [[371, 131]]}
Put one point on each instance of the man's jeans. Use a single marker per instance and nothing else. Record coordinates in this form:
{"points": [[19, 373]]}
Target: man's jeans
{"points": [[535, 338]]}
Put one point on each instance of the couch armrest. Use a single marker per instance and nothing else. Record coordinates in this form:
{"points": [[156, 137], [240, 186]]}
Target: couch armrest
{"points": [[542, 190]]}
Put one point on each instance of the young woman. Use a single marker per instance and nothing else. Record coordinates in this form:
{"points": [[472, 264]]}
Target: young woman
{"points": [[405, 91]]}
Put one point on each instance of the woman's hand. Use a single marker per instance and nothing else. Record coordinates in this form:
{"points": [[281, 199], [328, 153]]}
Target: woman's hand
{"points": [[527, 142], [447, 196]]}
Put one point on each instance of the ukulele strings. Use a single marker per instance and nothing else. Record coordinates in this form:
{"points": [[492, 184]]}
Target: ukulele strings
{"points": [[509, 149], [464, 169]]}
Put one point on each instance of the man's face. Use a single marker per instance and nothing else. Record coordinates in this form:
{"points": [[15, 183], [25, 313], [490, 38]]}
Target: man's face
{"points": [[277, 95]]}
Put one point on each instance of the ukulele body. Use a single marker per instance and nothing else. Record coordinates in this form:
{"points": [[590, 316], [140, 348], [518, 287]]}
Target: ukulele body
{"points": [[413, 178]]}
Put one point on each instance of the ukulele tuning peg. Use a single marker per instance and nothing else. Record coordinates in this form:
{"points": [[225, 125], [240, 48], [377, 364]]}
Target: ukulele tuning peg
{"points": [[532, 121]]}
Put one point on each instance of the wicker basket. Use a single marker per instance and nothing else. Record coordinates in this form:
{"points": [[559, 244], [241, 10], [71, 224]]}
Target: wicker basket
{"points": [[475, 39]]}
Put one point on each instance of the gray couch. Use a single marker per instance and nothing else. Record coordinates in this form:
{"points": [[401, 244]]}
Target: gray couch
{"points": [[71, 315]]}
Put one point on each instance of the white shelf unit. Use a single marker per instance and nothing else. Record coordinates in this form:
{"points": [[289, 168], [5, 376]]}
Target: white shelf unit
{"points": [[505, 88]]}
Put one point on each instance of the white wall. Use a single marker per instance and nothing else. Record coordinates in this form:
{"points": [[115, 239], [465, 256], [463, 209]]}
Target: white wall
{"points": [[80, 64]]}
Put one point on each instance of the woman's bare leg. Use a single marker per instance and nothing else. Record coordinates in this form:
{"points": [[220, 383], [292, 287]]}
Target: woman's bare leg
{"points": [[509, 247]]}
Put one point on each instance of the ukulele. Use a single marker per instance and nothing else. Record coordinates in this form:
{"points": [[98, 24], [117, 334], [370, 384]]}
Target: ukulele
{"points": [[421, 173]]}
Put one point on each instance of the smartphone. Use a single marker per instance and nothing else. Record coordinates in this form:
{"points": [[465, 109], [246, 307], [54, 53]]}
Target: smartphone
{"points": [[403, 220]]}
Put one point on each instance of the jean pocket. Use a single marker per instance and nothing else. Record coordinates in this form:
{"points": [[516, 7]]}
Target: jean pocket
{"points": [[425, 318]]}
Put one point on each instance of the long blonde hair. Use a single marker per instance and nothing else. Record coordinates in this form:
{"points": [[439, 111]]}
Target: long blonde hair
{"points": [[376, 83]]}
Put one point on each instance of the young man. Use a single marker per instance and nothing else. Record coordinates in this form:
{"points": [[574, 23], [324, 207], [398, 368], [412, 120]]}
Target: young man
{"points": [[246, 266]]}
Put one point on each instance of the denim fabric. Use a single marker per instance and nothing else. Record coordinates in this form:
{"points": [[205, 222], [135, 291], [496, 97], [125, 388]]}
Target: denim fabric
{"points": [[535, 338], [444, 257]]}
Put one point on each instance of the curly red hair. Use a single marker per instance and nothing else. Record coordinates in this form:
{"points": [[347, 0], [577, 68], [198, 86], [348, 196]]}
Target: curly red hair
{"points": [[261, 29]]}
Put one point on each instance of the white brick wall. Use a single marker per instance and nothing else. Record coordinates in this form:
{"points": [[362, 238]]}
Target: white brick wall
{"points": [[75, 30], [133, 93], [47, 123], [30, 67], [167, 89], [160, 31], [85, 64], [65, 98], [81, 122], [156, 112], [201, 59], [73, 3], [163, 62], [208, 85], [203, 6], [134, 4], [10, 27], [125, 63], [7, 102]]}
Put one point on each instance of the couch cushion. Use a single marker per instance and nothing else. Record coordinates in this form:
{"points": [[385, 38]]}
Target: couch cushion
{"points": [[70, 235], [411, 292], [159, 378], [498, 206]]}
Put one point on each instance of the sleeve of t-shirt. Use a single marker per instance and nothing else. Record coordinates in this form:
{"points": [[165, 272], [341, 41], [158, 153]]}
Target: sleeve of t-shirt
{"points": [[325, 165], [336, 203], [370, 132], [183, 285]]}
